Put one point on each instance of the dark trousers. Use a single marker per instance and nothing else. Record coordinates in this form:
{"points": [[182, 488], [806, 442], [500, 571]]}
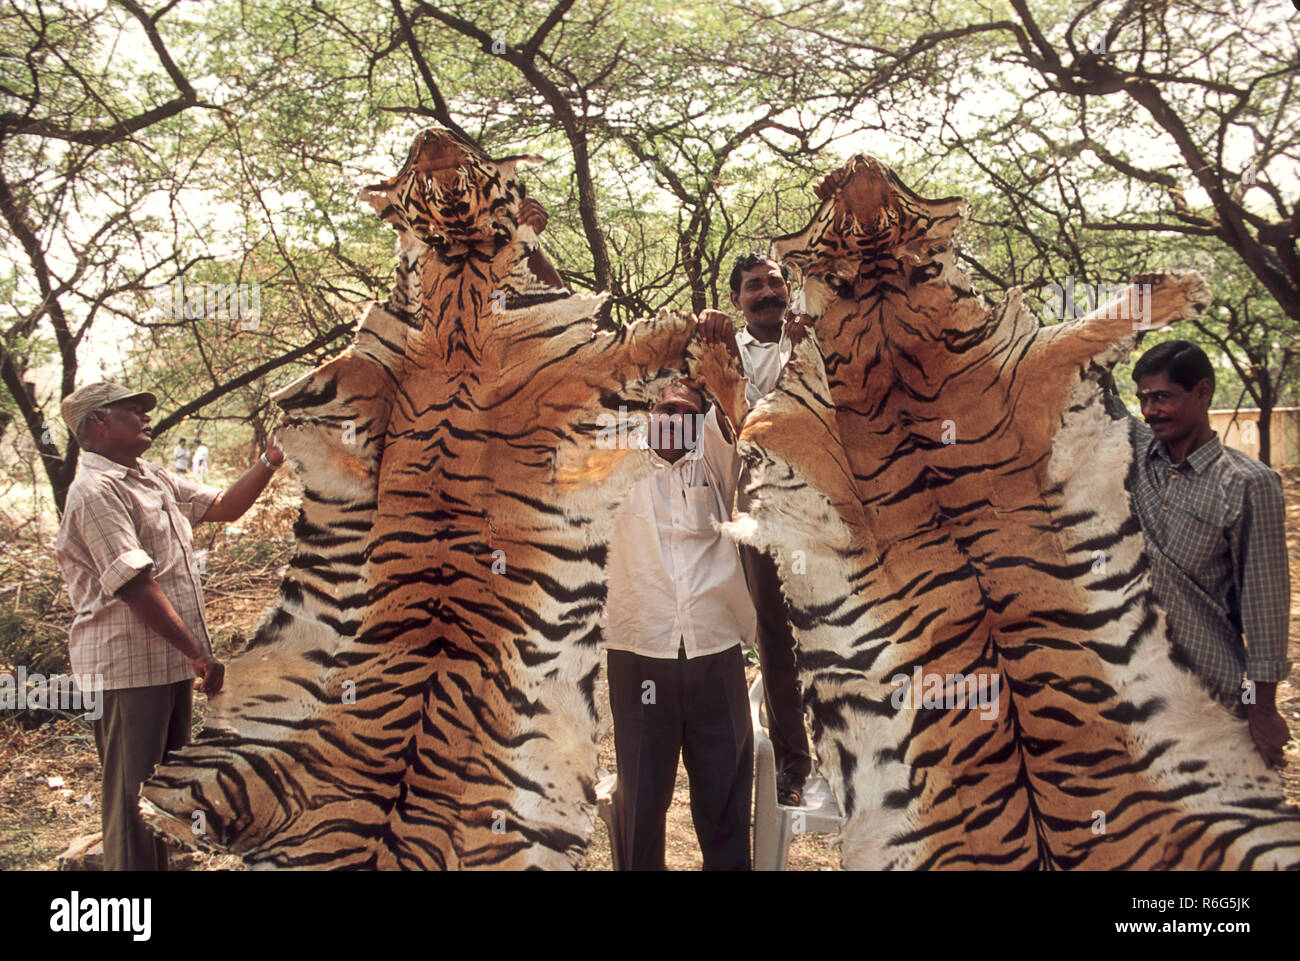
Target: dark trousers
{"points": [[776, 659], [138, 727], [696, 707]]}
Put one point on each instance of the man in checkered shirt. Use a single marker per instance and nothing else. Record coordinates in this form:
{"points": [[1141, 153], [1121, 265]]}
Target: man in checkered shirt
{"points": [[1213, 519], [126, 549]]}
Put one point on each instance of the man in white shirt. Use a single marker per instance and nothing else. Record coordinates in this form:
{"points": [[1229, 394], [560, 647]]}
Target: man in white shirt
{"points": [[181, 457], [676, 618], [760, 290], [200, 461]]}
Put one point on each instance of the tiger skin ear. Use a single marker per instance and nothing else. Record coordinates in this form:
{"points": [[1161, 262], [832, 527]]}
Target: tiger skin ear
{"points": [[507, 166], [938, 223]]}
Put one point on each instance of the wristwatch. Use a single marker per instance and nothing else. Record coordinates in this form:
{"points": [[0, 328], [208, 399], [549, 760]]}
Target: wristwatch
{"points": [[265, 460]]}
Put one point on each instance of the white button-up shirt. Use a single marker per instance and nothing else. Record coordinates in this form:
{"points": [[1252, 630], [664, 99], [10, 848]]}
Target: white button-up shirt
{"points": [[762, 363], [674, 580]]}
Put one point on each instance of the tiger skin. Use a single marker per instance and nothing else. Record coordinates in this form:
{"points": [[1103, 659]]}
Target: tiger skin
{"points": [[423, 696], [1011, 551]]}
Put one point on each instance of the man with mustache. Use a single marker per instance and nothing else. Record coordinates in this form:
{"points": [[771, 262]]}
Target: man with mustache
{"points": [[181, 457], [760, 290], [1214, 525], [125, 546]]}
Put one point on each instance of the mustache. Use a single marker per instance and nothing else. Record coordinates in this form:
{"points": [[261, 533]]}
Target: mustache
{"points": [[1152, 421], [767, 302]]}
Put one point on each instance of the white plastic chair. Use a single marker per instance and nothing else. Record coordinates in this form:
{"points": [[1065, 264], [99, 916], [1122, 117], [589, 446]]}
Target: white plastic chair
{"points": [[776, 825], [606, 788]]}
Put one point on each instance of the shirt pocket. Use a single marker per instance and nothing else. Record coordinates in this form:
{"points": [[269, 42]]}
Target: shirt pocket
{"points": [[164, 534], [1196, 540], [701, 508], [155, 531]]}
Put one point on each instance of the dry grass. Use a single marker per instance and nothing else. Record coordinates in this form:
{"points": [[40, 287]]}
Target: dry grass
{"points": [[38, 821]]}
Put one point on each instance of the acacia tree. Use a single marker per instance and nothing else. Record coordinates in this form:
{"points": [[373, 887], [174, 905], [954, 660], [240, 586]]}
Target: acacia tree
{"points": [[1205, 76], [98, 152], [1209, 90], [1217, 84], [1109, 137], [1259, 342], [688, 111], [675, 135], [71, 193]]}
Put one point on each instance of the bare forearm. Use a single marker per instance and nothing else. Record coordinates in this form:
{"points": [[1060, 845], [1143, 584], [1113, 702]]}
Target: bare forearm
{"points": [[146, 598], [542, 269], [239, 497]]}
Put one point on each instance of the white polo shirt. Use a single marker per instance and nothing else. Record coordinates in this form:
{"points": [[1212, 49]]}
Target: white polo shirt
{"points": [[762, 362], [674, 580]]}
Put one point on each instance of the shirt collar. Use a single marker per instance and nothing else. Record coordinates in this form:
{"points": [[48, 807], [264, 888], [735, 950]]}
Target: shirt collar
{"points": [[746, 339], [1197, 461], [92, 461], [692, 455], [642, 442], [1206, 454]]}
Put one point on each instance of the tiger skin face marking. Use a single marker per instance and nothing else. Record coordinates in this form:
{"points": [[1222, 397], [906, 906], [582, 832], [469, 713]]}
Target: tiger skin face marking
{"points": [[946, 497], [423, 695]]}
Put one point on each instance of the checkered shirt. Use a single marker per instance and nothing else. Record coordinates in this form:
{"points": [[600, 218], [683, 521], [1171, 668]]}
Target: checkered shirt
{"points": [[1215, 535], [117, 522]]}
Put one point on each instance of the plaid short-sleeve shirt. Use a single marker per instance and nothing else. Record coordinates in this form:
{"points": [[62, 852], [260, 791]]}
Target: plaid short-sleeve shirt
{"points": [[1216, 538], [117, 522]]}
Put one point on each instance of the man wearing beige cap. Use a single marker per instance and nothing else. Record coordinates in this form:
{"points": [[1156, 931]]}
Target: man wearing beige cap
{"points": [[126, 549]]}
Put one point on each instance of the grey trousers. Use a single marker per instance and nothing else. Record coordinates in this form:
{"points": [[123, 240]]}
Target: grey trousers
{"points": [[138, 727], [697, 708]]}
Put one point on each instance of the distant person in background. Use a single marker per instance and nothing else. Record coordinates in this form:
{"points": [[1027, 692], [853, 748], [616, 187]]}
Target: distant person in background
{"points": [[181, 457], [1214, 523], [200, 461], [126, 549]]}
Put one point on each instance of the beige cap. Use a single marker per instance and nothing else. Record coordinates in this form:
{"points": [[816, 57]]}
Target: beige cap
{"points": [[94, 396]]}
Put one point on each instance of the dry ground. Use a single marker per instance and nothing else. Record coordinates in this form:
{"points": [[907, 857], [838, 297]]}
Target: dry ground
{"points": [[39, 816]]}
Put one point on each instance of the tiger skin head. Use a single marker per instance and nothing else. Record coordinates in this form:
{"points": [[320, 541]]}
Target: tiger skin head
{"points": [[455, 211], [423, 695], [945, 495], [442, 195], [873, 215], [874, 227]]}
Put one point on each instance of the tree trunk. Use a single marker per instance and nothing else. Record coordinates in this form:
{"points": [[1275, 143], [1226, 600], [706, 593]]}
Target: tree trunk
{"points": [[1266, 432]]}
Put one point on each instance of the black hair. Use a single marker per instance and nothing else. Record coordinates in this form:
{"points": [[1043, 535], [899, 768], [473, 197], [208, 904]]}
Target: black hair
{"points": [[749, 262], [680, 384], [1180, 360]]}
